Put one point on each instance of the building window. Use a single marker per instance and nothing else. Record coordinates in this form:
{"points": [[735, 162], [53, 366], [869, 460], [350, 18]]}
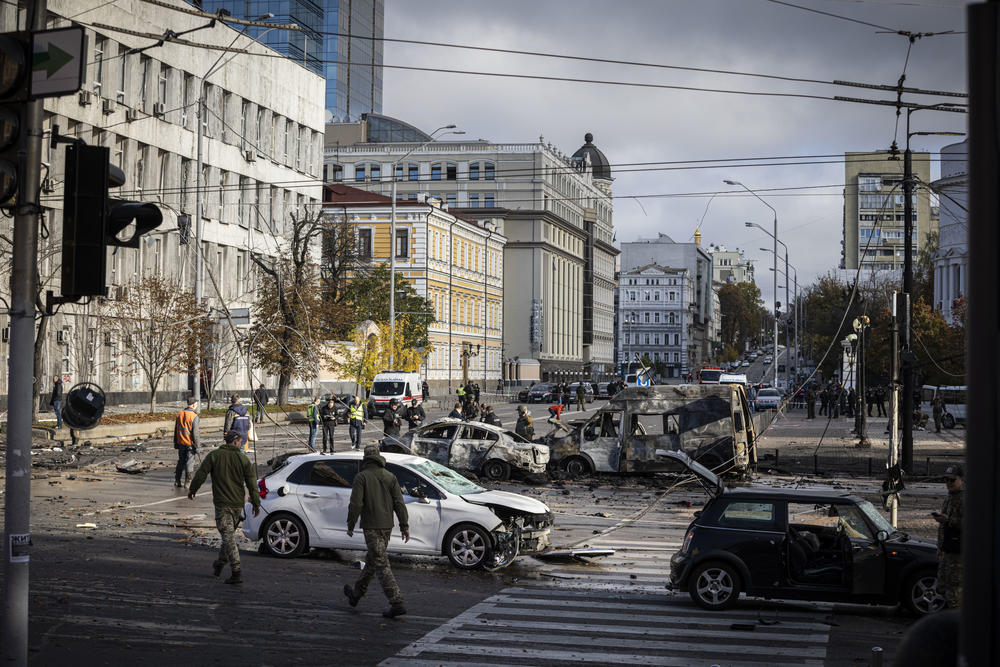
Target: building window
{"points": [[646, 318], [450, 199], [869, 183], [474, 171], [631, 296], [398, 171], [677, 339], [671, 319], [100, 44], [336, 173], [222, 197], [488, 201], [162, 82], [413, 172], [645, 294], [451, 172], [359, 173], [365, 243], [647, 339], [436, 171], [402, 243], [656, 341], [656, 317], [376, 172], [143, 83], [473, 200], [488, 170], [656, 295]]}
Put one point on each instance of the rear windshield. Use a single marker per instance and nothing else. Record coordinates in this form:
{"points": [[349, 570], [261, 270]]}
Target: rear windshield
{"points": [[710, 375], [386, 388], [763, 393]]}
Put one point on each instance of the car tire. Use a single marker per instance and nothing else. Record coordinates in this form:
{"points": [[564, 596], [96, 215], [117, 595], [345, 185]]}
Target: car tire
{"points": [[948, 420], [714, 586], [468, 546], [496, 470], [576, 465], [920, 594], [285, 536]]}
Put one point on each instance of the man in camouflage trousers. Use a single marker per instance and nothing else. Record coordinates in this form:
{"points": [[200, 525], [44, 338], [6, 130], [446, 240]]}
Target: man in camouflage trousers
{"points": [[375, 497], [231, 471], [949, 540]]}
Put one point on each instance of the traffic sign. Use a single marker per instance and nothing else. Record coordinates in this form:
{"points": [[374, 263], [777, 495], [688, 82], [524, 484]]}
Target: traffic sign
{"points": [[642, 380], [57, 62]]}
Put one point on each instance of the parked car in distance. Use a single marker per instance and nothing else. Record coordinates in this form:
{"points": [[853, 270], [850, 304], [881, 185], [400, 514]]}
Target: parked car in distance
{"points": [[768, 399], [799, 544], [540, 393], [482, 449], [602, 390], [767, 360], [588, 392], [745, 364], [304, 505]]}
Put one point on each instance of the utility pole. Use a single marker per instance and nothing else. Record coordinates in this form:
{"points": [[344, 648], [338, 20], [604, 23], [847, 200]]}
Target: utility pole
{"points": [[17, 522], [905, 350]]}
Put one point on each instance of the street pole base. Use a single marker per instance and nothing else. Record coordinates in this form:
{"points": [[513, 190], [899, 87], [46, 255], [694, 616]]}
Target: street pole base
{"points": [[864, 443]]}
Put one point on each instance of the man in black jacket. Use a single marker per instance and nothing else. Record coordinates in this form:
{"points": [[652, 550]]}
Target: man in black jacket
{"points": [[415, 414], [391, 420], [55, 400], [328, 417]]}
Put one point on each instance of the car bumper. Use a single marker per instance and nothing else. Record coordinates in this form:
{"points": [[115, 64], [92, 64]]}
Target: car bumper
{"points": [[534, 542], [251, 523], [678, 570]]}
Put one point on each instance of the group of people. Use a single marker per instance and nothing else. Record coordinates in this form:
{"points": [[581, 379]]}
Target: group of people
{"points": [[836, 400], [322, 417]]}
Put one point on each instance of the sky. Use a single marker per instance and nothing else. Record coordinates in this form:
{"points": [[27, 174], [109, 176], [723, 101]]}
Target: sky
{"points": [[642, 125]]}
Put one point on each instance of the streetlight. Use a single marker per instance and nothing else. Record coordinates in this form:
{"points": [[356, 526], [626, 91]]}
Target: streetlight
{"points": [[490, 228], [859, 325], [199, 185], [392, 238], [775, 277], [788, 304]]}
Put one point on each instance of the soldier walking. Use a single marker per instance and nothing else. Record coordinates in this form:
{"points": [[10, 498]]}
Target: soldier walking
{"points": [[949, 538], [937, 405], [525, 426], [231, 471], [810, 403], [581, 397], [880, 401], [375, 497]]}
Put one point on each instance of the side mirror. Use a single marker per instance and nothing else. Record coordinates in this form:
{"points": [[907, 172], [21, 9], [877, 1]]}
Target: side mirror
{"points": [[423, 500], [284, 490], [881, 536]]}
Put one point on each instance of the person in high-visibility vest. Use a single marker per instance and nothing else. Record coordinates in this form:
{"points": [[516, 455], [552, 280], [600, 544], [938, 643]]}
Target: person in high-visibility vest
{"points": [[313, 418], [185, 439], [357, 416]]}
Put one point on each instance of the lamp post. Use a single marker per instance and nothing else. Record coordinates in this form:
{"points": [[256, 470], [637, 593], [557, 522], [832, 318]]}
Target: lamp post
{"points": [[392, 238], [486, 262], [199, 269], [861, 324], [775, 277]]}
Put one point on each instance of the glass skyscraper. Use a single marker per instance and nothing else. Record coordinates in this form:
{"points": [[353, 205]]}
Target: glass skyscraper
{"points": [[334, 33]]}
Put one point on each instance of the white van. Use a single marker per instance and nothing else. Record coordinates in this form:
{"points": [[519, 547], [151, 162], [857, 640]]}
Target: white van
{"points": [[954, 403], [388, 385], [734, 378]]}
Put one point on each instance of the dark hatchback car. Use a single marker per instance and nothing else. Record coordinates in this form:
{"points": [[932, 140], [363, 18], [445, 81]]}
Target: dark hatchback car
{"points": [[799, 544]]}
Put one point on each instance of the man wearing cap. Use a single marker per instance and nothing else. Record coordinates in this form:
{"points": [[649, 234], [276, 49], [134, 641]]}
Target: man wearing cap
{"points": [[391, 420], [185, 439], [231, 471], [949, 538], [375, 497], [237, 419], [415, 414]]}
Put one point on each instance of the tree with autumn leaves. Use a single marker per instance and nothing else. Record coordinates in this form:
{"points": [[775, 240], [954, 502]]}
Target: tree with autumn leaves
{"points": [[371, 347]]}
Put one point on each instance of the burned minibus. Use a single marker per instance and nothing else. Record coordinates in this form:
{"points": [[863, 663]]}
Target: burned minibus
{"points": [[711, 423]]}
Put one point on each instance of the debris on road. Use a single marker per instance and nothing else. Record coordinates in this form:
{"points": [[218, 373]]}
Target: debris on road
{"points": [[132, 467], [89, 526], [581, 555]]}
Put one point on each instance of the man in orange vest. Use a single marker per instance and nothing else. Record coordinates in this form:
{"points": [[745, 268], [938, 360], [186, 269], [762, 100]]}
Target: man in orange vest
{"points": [[185, 440]]}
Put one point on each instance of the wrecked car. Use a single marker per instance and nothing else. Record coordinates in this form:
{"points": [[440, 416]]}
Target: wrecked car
{"points": [[490, 451], [304, 505], [709, 422], [799, 544]]}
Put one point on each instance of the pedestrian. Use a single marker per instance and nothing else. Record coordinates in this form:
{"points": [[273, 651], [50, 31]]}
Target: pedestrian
{"points": [[581, 397], [391, 420], [260, 399], [475, 392], [489, 417], [869, 399], [525, 426], [949, 538], [328, 417], [185, 439], [375, 497], [471, 411], [425, 390], [456, 412], [55, 399], [557, 393], [314, 421], [937, 407], [357, 419], [824, 402], [238, 419], [880, 395], [810, 403], [415, 414], [231, 471], [852, 401], [460, 393]]}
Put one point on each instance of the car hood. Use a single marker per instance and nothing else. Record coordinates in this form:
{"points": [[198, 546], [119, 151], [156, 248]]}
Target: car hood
{"points": [[912, 542], [506, 499]]}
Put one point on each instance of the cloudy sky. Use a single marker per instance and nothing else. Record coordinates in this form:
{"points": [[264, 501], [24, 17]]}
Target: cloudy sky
{"points": [[643, 125]]}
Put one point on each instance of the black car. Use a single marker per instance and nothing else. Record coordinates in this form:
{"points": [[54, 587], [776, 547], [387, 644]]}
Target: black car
{"points": [[541, 393], [799, 544]]}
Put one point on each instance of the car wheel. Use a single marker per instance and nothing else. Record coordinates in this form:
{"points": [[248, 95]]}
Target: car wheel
{"points": [[948, 420], [496, 470], [285, 536], [576, 465], [920, 594], [467, 546], [715, 586]]}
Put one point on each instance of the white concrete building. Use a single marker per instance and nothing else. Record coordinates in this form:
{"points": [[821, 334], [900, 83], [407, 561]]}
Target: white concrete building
{"points": [[730, 266], [262, 150], [557, 212], [951, 261], [655, 316]]}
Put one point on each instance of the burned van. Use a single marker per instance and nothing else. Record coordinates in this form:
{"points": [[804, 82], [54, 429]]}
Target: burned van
{"points": [[711, 423]]}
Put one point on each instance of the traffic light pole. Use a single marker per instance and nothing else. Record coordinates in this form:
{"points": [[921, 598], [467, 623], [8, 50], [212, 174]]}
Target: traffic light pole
{"points": [[17, 524], [907, 322]]}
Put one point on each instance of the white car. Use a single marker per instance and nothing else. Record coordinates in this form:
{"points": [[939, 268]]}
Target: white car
{"points": [[304, 504], [768, 399]]}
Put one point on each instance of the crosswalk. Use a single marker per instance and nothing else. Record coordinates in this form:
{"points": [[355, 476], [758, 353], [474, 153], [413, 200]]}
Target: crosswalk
{"points": [[545, 625]]}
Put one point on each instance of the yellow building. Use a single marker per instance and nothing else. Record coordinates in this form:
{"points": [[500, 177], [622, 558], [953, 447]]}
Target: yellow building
{"points": [[453, 261]]}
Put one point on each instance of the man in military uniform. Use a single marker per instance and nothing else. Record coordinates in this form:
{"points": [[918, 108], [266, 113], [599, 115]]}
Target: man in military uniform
{"points": [[392, 418], [949, 539], [937, 405], [231, 471], [525, 426], [375, 497], [810, 403], [581, 397]]}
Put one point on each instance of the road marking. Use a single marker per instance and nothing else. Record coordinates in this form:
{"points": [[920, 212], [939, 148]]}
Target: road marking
{"points": [[133, 507]]}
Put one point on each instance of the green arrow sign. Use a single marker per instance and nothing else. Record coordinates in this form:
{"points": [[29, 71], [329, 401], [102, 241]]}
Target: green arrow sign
{"points": [[51, 61], [56, 62]]}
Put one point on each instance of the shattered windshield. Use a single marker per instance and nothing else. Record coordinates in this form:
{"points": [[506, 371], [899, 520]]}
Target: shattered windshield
{"points": [[879, 521], [446, 478]]}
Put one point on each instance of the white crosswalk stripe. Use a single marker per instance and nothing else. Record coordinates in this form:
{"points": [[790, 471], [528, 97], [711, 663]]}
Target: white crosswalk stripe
{"points": [[543, 625]]}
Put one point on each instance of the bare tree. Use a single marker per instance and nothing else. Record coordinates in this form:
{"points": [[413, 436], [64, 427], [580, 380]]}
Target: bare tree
{"points": [[220, 356], [153, 322]]}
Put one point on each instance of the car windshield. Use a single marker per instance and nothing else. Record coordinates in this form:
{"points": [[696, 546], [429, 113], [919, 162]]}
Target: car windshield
{"points": [[879, 521], [541, 387], [764, 393], [386, 388], [446, 478]]}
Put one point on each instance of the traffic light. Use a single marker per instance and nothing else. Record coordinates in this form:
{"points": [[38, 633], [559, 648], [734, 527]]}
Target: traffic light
{"points": [[14, 79], [92, 221]]}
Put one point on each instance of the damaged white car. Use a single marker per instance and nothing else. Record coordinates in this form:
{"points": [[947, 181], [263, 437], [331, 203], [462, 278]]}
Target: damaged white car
{"points": [[490, 451], [304, 505]]}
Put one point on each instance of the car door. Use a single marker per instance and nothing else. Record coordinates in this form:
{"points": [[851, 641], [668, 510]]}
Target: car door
{"points": [[471, 448], [434, 442], [867, 553], [756, 536], [324, 492], [600, 439], [423, 509]]}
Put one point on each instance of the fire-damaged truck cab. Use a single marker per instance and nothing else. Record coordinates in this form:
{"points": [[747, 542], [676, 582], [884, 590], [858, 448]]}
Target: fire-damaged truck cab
{"points": [[710, 423]]}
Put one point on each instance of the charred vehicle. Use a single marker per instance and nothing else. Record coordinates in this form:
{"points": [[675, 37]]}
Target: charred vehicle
{"points": [[483, 449], [711, 423]]}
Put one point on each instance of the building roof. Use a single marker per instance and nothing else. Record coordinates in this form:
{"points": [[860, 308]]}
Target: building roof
{"points": [[598, 162], [344, 195]]}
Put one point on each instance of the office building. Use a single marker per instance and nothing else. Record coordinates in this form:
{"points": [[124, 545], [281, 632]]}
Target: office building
{"points": [[655, 317]]}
